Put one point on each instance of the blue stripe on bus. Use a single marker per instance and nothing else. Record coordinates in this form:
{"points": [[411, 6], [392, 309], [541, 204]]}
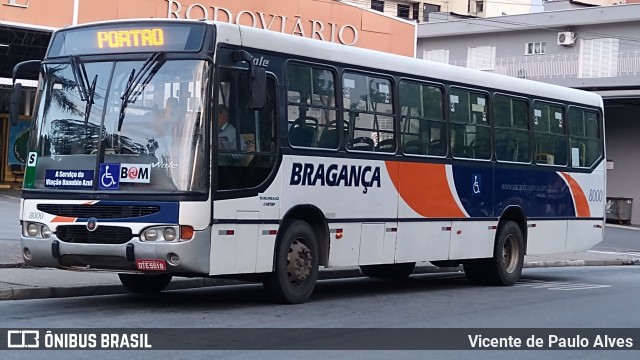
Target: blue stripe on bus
{"points": [[487, 191]]}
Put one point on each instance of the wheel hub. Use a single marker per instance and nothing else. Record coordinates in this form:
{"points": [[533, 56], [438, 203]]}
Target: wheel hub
{"points": [[510, 254], [299, 262]]}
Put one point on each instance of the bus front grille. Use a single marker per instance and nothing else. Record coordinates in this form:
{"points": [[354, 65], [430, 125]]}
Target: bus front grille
{"points": [[79, 234], [99, 211]]}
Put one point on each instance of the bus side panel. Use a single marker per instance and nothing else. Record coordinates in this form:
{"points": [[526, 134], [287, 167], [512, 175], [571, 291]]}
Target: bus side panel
{"points": [[589, 198], [377, 243], [346, 250], [583, 235], [346, 192], [546, 237], [472, 239], [423, 241]]}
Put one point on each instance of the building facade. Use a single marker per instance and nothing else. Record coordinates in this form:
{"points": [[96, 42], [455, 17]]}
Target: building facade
{"points": [[26, 27], [420, 11], [590, 48]]}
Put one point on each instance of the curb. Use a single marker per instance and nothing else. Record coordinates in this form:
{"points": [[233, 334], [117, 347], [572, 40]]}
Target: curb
{"points": [[24, 293], [563, 263]]}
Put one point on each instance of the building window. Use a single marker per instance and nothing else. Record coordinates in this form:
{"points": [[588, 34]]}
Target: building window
{"points": [[481, 58], [440, 55], [377, 5], [403, 11], [416, 11], [479, 7], [428, 9], [535, 48], [599, 58]]}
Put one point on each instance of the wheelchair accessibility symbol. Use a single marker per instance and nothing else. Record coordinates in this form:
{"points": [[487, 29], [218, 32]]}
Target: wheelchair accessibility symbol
{"points": [[477, 184], [109, 176]]}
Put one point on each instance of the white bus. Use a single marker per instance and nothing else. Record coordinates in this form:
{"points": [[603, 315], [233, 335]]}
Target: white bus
{"points": [[189, 148]]}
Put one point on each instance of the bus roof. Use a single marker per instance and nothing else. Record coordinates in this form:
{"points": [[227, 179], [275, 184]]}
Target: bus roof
{"points": [[328, 51], [324, 50]]}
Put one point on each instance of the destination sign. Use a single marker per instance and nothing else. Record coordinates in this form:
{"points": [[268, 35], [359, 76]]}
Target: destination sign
{"points": [[131, 38], [128, 38]]}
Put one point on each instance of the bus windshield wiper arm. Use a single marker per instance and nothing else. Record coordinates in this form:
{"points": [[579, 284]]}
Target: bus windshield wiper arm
{"points": [[146, 72], [90, 95], [80, 76]]}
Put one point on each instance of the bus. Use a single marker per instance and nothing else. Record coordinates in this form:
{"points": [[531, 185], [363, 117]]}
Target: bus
{"points": [[162, 148]]}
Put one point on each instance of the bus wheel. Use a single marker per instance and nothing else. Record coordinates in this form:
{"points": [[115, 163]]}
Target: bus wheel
{"points": [[296, 265], [145, 284], [505, 267], [388, 271]]}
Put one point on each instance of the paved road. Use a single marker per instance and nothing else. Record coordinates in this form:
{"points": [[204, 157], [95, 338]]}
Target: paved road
{"points": [[620, 239], [9, 207], [545, 298]]}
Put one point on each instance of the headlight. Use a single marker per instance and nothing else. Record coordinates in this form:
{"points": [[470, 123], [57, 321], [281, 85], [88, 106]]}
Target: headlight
{"points": [[32, 229], [151, 235], [46, 232], [169, 234], [160, 233], [36, 230]]}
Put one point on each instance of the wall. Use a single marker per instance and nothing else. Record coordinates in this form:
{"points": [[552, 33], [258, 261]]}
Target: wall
{"points": [[511, 45], [622, 126], [327, 20], [320, 19]]}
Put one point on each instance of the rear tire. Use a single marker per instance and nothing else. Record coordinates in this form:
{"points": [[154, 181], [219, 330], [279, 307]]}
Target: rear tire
{"points": [[145, 284], [388, 271], [505, 267], [296, 265]]}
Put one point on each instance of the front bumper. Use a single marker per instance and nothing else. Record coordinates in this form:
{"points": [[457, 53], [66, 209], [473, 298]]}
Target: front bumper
{"points": [[52, 252]]}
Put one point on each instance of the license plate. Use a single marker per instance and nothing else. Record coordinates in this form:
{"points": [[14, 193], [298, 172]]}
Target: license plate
{"points": [[151, 265]]}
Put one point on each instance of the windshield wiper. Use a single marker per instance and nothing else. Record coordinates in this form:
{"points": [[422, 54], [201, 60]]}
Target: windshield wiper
{"points": [[145, 74], [80, 76], [90, 95]]}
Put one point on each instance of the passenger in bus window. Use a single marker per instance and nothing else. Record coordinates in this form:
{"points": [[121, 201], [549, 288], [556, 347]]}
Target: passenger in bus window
{"points": [[171, 108], [227, 139]]}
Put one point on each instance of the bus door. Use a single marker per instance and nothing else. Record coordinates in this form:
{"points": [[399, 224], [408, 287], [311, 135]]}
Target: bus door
{"points": [[245, 154]]}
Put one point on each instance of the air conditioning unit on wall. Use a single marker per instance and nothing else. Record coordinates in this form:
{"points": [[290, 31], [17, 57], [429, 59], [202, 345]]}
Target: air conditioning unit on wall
{"points": [[566, 38]]}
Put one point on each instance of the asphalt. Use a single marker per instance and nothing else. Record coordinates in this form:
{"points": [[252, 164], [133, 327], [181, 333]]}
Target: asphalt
{"points": [[19, 282]]}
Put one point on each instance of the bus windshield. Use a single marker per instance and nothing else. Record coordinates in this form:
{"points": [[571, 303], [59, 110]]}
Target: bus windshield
{"points": [[143, 119]]}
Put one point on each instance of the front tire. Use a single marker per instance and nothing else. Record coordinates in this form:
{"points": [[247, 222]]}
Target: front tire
{"points": [[145, 284], [296, 265], [505, 267]]}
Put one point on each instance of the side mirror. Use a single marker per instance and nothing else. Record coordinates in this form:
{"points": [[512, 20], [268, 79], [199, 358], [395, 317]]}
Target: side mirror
{"points": [[14, 104], [257, 82], [16, 94], [258, 87]]}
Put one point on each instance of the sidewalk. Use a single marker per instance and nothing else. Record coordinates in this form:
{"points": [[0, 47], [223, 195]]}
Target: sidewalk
{"points": [[18, 282]]}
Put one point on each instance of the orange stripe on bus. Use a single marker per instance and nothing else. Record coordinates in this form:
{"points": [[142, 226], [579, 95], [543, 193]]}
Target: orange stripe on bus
{"points": [[424, 187], [582, 205], [63, 219]]}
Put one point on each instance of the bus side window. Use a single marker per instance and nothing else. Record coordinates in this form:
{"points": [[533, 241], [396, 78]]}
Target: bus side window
{"points": [[470, 129], [549, 133], [369, 109], [312, 108], [584, 131], [422, 121], [249, 161], [511, 129]]}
